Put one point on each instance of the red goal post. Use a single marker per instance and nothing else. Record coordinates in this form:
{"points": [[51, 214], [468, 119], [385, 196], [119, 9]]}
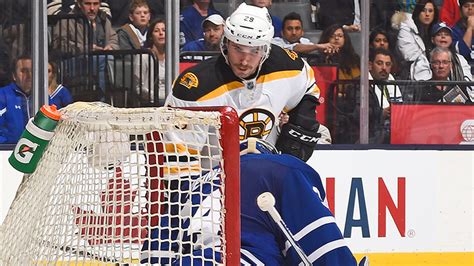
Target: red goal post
{"points": [[106, 180]]}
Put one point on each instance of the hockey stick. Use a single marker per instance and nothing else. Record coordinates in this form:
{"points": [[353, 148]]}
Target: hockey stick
{"points": [[266, 203]]}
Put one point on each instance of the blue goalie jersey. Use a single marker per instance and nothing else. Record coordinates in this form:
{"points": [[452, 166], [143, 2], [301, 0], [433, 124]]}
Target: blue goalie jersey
{"points": [[300, 200]]}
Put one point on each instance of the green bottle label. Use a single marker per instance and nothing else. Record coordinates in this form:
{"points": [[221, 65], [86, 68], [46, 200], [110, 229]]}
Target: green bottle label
{"points": [[27, 152], [33, 141]]}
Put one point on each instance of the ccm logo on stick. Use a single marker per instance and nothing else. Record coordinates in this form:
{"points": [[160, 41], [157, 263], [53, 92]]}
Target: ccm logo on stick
{"points": [[302, 137]]}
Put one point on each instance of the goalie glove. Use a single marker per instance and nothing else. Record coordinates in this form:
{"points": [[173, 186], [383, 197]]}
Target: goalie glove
{"points": [[299, 136]]}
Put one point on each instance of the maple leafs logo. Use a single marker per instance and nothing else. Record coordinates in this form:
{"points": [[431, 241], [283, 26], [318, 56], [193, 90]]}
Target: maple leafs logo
{"points": [[116, 222]]}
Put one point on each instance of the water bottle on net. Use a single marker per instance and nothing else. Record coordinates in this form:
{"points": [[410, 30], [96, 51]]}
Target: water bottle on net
{"points": [[34, 139]]}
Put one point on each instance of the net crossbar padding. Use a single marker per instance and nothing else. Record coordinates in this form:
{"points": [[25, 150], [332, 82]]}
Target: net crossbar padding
{"points": [[120, 186]]}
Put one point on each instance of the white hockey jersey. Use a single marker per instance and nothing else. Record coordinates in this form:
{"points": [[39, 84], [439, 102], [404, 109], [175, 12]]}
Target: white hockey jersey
{"points": [[281, 84]]}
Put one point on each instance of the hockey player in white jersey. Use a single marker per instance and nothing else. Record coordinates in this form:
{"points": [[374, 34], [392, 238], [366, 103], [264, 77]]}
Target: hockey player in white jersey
{"points": [[257, 79], [300, 200]]}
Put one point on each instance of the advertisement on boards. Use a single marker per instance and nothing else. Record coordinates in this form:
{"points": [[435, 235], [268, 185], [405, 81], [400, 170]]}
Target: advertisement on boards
{"points": [[397, 207], [432, 124], [395, 204]]}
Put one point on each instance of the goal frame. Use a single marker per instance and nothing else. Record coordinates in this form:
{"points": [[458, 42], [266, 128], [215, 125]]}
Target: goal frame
{"points": [[231, 154]]}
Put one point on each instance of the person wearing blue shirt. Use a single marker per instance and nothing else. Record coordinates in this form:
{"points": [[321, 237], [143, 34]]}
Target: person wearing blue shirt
{"points": [[462, 31], [58, 94], [191, 20], [15, 101], [15, 106], [213, 28]]}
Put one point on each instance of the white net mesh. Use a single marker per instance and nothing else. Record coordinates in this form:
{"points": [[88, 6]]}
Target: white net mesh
{"points": [[114, 186]]}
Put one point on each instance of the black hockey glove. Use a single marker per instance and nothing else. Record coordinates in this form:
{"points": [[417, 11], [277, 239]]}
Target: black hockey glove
{"points": [[299, 136], [297, 141]]}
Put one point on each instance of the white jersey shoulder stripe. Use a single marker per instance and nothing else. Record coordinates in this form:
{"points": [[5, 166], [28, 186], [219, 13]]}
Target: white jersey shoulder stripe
{"points": [[309, 228], [56, 91], [226, 88], [325, 249], [3, 111], [314, 225]]}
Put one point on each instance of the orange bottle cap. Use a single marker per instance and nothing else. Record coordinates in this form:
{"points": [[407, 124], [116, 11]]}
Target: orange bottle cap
{"points": [[51, 111]]}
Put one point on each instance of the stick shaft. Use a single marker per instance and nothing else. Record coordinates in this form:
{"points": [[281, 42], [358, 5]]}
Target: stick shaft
{"points": [[279, 221]]}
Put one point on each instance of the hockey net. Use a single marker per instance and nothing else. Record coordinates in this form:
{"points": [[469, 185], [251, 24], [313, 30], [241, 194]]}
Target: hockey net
{"points": [[115, 187]]}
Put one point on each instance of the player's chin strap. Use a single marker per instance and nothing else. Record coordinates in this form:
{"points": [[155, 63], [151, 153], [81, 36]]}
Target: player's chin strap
{"points": [[251, 147], [257, 146]]}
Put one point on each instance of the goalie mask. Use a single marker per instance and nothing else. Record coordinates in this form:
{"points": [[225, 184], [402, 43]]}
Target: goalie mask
{"points": [[257, 146], [250, 26]]}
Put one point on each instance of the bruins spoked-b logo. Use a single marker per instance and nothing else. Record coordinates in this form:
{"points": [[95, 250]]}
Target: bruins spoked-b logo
{"points": [[292, 54], [256, 123], [189, 80]]}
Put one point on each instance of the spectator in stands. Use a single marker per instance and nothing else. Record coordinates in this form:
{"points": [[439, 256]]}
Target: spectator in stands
{"points": [[133, 35], [408, 6], [441, 66], [145, 76], [442, 37], [213, 29], [120, 10], [380, 99], [292, 37], [378, 38], [58, 94], [414, 37], [155, 41], [346, 57], [380, 64], [191, 20], [69, 37], [15, 103], [15, 107], [450, 12], [463, 31], [344, 12], [276, 21], [57, 7], [348, 69]]}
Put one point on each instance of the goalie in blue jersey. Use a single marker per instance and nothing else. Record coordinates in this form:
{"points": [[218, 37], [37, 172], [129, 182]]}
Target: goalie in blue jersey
{"points": [[300, 201]]}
